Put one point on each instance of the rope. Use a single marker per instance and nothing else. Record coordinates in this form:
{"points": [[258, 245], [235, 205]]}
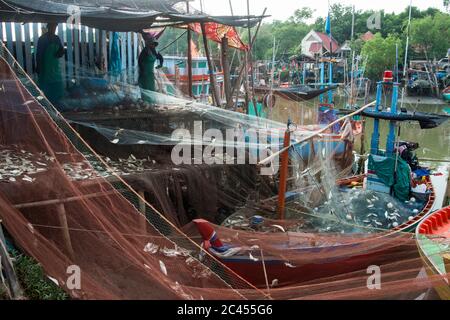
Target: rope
{"points": [[174, 41]]}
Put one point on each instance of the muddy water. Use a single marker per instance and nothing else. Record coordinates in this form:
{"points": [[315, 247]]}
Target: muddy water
{"points": [[434, 143]]}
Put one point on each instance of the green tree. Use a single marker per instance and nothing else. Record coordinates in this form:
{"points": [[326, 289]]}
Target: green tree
{"points": [[431, 35], [380, 53], [301, 15]]}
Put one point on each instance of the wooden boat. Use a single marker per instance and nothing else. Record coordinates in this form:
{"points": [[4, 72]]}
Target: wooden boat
{"points": [[426, 120], [296, 93], [250, 264], [433, 239]]}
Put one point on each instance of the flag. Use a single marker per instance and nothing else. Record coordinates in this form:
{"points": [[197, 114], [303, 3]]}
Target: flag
{"points": [[328, 25]]}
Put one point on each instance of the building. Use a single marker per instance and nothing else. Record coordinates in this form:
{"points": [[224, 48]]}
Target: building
{"points": [[318, 44], [367, 36]]}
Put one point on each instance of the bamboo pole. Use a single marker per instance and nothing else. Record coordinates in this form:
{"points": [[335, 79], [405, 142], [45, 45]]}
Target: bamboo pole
{"points": [[62, 217], [210, 66], [283, 175], [62, 201], [315, 134], [251, 43], [15, 291], [226, 72]]}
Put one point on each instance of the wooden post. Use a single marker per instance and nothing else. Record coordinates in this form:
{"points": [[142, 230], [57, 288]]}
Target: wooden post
{"points": [[28, 57], [283, 175], [226, 72], [250, 60], [189, 55], [62, 217], [13, 283], [177, 77], [210, 67], [19, 48], [243, 65]]}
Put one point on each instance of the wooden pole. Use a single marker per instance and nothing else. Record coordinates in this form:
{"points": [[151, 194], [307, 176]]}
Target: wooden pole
{"points": [[283, 175], [15, 291], [250, 60], [189, 54], [226, 72], [243, 66], [62, 217], [212, 78]]}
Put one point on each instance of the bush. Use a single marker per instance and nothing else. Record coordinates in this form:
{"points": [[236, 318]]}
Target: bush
{"points": [[34, 282]]}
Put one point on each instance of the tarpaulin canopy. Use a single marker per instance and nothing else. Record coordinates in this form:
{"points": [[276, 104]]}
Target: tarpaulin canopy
{"points": [[123, 16], [216, 31]]}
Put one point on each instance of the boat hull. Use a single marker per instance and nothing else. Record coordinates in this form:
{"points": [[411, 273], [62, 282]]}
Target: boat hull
{"points": [[434, 228], [442, 289], [287, 274]]}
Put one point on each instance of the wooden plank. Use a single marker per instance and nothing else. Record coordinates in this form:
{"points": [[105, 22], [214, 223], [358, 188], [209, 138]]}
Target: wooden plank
{"points": [[63, 60], [19, 44], [13, 282], [35, 27], [129, 51], [123, 49], [64, 200], [9, 38], [76, 50], [70, 59], [97, 45], [90, 33], [135, 49], [104, 51], [110, 37], [62, 217], [28, 56], [83, 45]]}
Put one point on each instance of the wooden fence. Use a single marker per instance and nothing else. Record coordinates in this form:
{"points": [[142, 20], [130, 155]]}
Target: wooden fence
{"points": [[88, 49]]}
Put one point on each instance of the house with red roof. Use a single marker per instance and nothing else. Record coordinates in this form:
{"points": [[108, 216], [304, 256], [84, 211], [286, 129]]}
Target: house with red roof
{"points": [[367, 36], [318, 43]]}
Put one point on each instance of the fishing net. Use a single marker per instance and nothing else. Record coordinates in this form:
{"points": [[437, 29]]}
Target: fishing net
{"points": [[68, 202]]}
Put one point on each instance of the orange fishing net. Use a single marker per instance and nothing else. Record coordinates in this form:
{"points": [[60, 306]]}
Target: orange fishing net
{"points": [[128, 249]]}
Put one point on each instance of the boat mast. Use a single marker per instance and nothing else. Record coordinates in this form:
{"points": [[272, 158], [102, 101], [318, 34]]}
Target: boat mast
{"points": [[189, 54], [250, 60], [353, 61]]}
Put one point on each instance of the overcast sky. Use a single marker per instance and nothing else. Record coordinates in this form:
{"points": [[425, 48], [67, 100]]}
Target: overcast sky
{"points": [[283, 9]]}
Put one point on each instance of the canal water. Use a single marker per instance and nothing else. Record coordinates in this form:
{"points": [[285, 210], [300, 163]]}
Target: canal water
{"points": [[434, 143]]}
